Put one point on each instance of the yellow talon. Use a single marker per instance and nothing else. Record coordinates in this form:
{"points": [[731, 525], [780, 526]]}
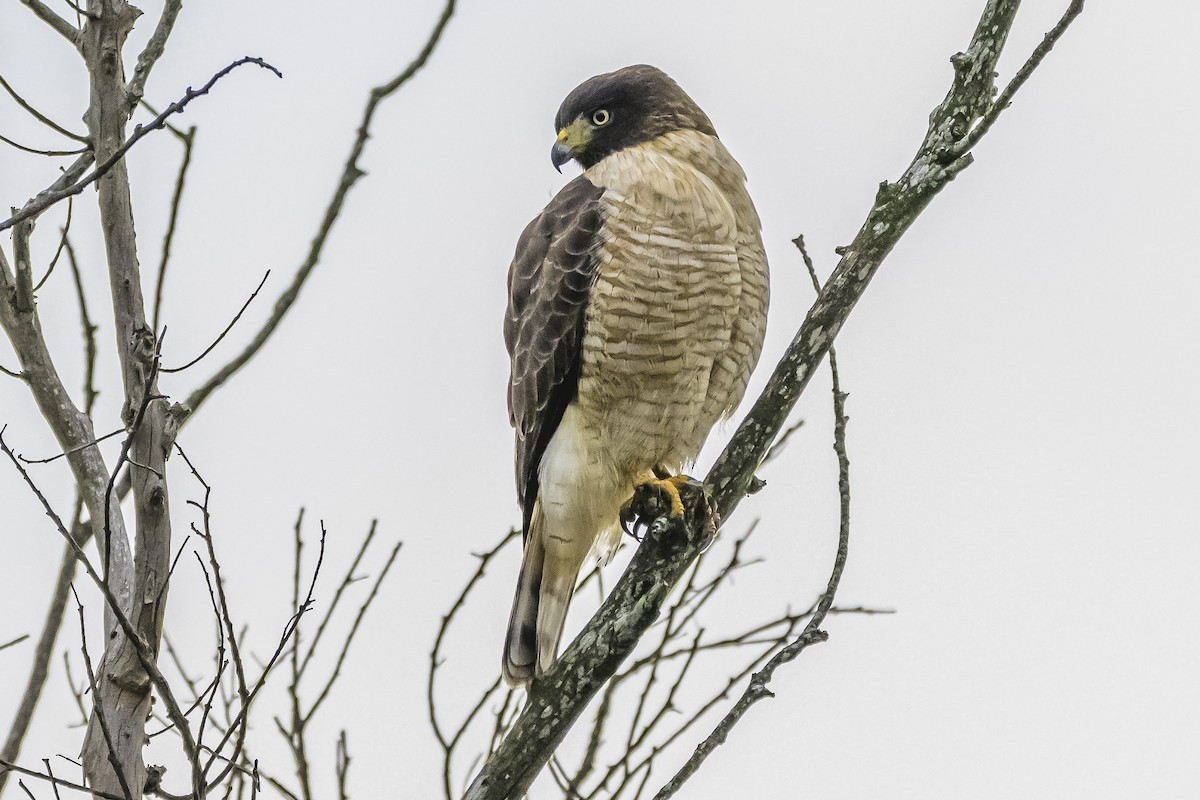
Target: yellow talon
{"points": [[670, 487]]}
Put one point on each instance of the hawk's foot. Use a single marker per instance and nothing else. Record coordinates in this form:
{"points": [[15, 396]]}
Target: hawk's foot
{"points": [[669, 487], [662, 494]]}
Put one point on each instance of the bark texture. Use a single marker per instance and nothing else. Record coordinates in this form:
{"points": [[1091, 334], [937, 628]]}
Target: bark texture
{"points": [[122, 696]]}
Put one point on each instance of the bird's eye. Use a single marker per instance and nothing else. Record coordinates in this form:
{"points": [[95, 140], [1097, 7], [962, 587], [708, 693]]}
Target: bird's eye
{"points": [[601, 117]]}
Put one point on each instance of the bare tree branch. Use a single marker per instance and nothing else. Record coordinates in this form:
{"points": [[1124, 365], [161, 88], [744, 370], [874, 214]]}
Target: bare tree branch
{"points": [[189, 140], [153, 51], [227, 329], [97, 712], [80, 533], [39, 152], [812, 633], [70, 175], [57, 23], [49, 198], [62, 243], [43, 652], [1005, 99], [23, 296], [14, 642], [123, 622], [39, 116], [7, 766], [350, 175]]}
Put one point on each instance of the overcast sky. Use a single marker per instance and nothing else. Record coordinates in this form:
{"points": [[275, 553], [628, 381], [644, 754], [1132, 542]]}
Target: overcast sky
{"points": [[1022, 372]]}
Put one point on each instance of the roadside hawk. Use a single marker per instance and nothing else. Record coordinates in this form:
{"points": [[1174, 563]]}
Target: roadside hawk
{"points": [[636, 312]]}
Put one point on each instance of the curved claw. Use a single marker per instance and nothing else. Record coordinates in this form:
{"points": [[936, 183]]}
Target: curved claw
{"points": [[627, 518], [712, 521]]}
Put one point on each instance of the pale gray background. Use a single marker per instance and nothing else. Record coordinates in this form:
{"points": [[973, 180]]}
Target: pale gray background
{"points": [[1021, 372]]}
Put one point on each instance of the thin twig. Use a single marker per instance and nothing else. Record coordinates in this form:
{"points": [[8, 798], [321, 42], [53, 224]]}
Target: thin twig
{"points": [[1004, 99], [337, 596], [8, 766], [53, 785], [350, 175], [62, 243], [39, 116], [60, 25], [88, 329], [14, 642], [40, 152], [73, 450], [188, 139], [225, 619], [45, 200], [290, 630], [780, 443], [812, 633], [228, 327], [362, 612], [435, 661], [342, 764]]}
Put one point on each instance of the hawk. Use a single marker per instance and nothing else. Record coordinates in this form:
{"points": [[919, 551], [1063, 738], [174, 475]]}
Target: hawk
{"points": [[637, 304]]}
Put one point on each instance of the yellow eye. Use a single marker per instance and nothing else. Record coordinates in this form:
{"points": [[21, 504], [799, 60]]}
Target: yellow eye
{"points": [[601, 117]]}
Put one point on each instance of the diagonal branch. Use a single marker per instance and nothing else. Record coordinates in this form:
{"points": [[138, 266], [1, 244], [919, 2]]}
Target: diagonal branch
{"points": [[39, 116], [153, 51], [350, 175], [812, 633], [52, 196], [1004, 100], [39, 152], [223, 333], [57, 23], [189, 141]]}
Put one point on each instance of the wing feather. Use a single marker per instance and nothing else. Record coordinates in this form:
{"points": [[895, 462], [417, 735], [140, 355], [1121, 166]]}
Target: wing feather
{"points": [[549, 283]]}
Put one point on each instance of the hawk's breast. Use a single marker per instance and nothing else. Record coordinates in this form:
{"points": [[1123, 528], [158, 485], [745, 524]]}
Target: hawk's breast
{"points": [[675, 319]]}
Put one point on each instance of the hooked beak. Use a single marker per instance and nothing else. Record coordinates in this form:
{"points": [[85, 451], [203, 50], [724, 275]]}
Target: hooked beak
{"points": [[560, 154], [571, 140]]}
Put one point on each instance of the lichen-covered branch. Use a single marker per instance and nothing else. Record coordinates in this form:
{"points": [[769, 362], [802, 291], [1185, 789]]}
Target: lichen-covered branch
{"points": [[812, 633]]}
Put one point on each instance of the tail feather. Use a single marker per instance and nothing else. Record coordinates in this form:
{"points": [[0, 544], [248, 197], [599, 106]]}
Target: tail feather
{"points": [[558, 585], [539, 610], [520, 644]]}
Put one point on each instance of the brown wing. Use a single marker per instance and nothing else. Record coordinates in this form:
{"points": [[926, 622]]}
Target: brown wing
{"points": [[549, 282]]}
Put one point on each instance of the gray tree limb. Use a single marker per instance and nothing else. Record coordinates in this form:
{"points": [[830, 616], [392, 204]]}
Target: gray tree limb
{"points": [[60, 25], [122, 697]]}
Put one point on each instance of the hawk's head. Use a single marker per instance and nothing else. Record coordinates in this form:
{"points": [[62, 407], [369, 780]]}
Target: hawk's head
{"points": [[620, 109]]}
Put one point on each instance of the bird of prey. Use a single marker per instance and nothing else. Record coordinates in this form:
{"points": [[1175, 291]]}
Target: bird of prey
{"points": [[636, 312]]}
